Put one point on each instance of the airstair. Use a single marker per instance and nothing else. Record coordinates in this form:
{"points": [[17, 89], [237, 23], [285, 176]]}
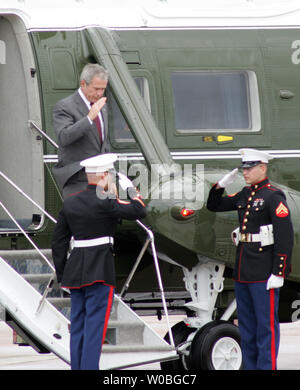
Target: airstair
{"points": [[39, 311]]}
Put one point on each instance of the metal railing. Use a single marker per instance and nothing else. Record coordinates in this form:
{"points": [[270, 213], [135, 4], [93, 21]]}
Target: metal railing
{"points": [[46, 136], [52, 278], [149, 241], [8, 180]]}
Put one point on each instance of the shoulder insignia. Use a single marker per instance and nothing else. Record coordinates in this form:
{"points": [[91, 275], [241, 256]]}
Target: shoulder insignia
{"points": [[282, 211], [272, 188]]}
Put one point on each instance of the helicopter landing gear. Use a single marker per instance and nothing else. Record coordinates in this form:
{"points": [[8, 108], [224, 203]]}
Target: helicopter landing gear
{"points": [[206, 344], [216, 346], [180, 333]]}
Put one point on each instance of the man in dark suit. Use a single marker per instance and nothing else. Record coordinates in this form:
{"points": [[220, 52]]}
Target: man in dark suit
{"points": [[91, 217], [80, 124]]}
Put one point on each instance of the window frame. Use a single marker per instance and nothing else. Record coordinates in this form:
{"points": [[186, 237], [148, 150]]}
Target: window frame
{"points": [[130, 143], [253, 102]]}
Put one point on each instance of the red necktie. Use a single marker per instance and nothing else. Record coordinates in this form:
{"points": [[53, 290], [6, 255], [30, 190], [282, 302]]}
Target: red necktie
{"points": [[98, 124]]}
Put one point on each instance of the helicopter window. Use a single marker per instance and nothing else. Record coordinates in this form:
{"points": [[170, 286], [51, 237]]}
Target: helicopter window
{"points": [[215, 101], [118, 124]]}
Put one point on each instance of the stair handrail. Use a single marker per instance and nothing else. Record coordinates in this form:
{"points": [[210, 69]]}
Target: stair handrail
{"points": [[27, 236], [53, 275], [27, 196], [150, 240], [35, 126]]}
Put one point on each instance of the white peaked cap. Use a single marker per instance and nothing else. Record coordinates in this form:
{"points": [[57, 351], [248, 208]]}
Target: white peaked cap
{"points": [[252, 157], [100, 163]]}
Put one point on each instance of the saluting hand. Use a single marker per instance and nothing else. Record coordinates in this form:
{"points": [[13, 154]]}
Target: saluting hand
{"points": [[96, 108], [111, 184], [228, 178], [124, 181]]}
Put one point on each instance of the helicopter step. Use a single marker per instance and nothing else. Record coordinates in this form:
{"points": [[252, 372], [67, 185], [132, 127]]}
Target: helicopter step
{"points": [[130, 341], [43, 321]]}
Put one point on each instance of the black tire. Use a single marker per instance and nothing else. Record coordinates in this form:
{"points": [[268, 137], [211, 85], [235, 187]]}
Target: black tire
{"points": [[180, 333], [216, 346]]}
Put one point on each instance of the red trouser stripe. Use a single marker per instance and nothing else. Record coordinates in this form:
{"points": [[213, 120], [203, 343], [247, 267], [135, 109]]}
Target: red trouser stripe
{"points": [[272, 326], [108, 309]]}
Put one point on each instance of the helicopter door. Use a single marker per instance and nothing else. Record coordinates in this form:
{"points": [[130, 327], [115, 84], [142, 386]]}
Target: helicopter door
{"points": [[21, 154]]}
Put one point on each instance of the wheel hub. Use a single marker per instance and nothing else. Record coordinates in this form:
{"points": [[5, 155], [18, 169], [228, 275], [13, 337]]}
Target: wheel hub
{"points": [[226, 354]]}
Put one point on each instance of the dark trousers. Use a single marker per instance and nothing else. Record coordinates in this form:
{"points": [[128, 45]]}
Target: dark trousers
{"points": [[257, 310], [90, 310]]}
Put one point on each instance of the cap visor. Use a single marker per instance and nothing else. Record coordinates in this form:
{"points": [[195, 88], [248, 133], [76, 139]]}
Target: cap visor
{"points": [[249, 164]]}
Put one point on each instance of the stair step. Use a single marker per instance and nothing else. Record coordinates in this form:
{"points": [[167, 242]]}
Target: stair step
{"points": [[129, 348], [28, 261], [121, 332], [129, 340], [28, 254], [112, 360], [60, 301], [35, 278]]}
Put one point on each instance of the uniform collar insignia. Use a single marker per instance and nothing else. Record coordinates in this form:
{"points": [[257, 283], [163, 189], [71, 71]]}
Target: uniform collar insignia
{"points": [[260, 184]]}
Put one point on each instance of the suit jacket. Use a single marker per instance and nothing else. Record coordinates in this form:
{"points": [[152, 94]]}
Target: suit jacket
{"points": [[258, 205], [77, 138], [86, 216]]}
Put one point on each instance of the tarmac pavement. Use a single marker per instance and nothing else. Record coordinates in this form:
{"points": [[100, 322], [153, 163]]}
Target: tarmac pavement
{"points": [[15, 357]]}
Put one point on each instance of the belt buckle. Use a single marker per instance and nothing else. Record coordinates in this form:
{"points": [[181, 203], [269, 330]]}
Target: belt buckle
{"points": [[244, 237]]}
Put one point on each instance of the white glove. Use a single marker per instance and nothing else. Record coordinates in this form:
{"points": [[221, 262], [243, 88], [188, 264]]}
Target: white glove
{"points": [[228, 178], [275, 282], [66, 290], [124, 181]]}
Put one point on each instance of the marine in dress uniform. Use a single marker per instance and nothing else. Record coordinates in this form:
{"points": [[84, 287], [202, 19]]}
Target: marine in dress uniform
{"points": [[91, 218], [264, 242]]}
